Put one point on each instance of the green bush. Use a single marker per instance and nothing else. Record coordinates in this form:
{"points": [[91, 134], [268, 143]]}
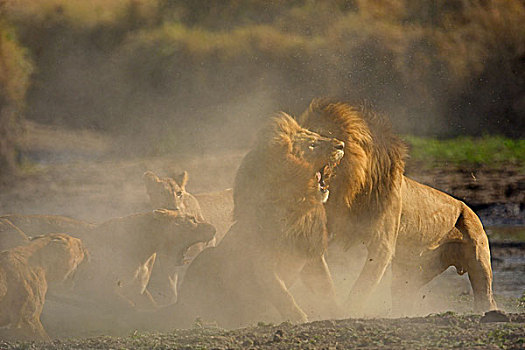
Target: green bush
{"points": [[169, 67], [487, 55], [491, 151], [15, 69]]}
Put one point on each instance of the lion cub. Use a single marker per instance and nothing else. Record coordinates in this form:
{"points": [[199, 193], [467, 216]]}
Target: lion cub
{"points": [[25, 272]]}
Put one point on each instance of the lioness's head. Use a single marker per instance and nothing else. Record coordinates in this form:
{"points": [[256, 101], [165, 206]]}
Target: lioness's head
{"points": [[58, 254], [170, 193], [305, 153], [179, 231]]}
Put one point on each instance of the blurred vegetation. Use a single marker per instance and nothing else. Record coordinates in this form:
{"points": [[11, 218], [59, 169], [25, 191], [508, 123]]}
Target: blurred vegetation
{"points": [[490, 151], [196, 72], [15, 69]]}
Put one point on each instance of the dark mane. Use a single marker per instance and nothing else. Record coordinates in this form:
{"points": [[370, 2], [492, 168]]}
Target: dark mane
{"points": [[276, 194], [374, 156]]}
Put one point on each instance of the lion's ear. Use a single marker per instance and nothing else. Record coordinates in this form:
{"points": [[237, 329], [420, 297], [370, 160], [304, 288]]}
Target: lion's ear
{"points": [[181, 179]]}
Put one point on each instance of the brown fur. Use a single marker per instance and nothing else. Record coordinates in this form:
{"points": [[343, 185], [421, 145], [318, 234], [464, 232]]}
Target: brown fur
{"points": [[14, 228], [35, 225], [215, 208], [170, 193], [123, 233], [280, 224], [25, 272], [421, 230], [118, 246]]}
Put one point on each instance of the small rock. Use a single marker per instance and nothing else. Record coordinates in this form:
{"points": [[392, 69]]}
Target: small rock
{"points": [[494, 316], [278, 336], [247, 343]]}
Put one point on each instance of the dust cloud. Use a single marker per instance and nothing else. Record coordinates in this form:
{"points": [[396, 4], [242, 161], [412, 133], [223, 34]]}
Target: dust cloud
{"points": [[127, 89]]}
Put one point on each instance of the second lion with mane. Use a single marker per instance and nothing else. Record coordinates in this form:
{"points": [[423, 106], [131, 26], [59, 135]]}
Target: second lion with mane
{"points": [[421, 230], [279, 225]]}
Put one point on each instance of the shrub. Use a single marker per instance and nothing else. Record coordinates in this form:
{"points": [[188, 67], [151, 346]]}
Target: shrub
{"points": [[15, 69], [164, 69]]}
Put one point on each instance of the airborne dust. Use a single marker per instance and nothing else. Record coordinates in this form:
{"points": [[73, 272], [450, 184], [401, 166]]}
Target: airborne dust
{"points": [[123, 87]]}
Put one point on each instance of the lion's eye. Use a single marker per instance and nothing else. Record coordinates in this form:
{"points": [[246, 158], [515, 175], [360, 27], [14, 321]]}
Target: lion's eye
{"points": [[312, 145], [179, 194]]}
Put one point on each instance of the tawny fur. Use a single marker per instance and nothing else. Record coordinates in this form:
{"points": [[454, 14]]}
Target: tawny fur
{"points": [[122, 246], [422, 231], [118, 246], [25, 272], [280, 224], [215, 208], [170, 193], [35, 225], [15, 228]]}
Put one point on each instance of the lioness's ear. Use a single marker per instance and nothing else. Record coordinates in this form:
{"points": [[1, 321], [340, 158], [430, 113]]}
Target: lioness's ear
{"points": [[145, 272], [181, 179], [164, 213], [160, 213]]}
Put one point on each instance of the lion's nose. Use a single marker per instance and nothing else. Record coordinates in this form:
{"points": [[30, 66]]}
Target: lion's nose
{"points": [[340, 145]]}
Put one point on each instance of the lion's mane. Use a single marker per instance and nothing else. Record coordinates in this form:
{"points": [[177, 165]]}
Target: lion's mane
{"points": [[372, 168], [276, 192]]}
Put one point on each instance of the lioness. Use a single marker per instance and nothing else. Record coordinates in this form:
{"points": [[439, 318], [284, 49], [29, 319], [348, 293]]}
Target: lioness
{"points": [[118, 246], [215, 208], [280, 224], [35, 225], [170, 193], [25, 272], [422, 231]]}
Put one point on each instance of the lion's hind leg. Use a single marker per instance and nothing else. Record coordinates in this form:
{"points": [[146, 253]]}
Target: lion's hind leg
{"points": [[475, 259], [409, 277]]}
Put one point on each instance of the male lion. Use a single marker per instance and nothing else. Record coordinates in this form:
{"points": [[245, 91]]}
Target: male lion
{"points": [[25, 272], [280, 224], [422, 231]]}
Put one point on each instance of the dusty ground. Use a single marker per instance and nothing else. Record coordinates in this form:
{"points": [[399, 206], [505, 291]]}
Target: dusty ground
{"points": [[441, 331], [80, 174]]}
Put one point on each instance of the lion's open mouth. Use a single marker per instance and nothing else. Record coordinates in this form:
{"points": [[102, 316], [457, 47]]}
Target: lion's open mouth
{"points": [[324, 174], [321, 176]]}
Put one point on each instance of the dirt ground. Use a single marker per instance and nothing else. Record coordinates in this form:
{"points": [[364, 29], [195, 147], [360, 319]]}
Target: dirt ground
{"points": [[82, 175], [442, 331]]}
